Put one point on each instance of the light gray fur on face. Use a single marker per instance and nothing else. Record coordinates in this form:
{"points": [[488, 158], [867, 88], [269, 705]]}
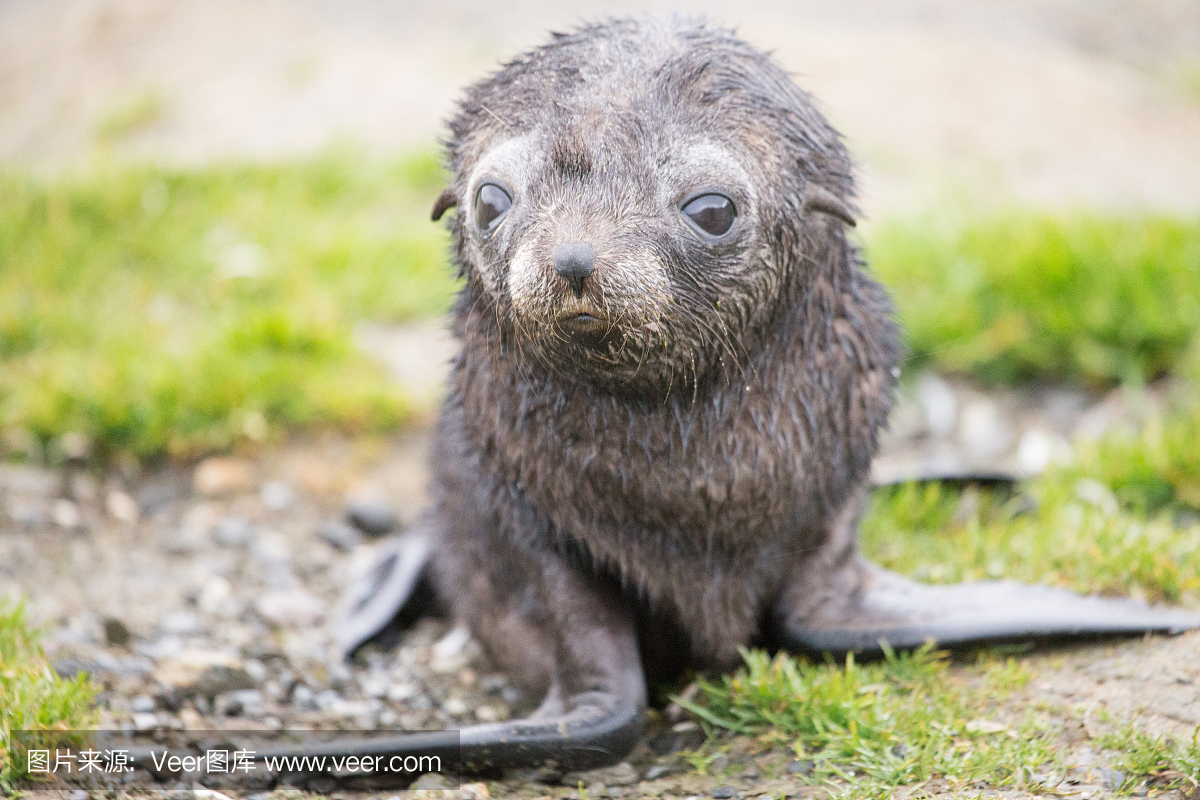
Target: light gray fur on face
{"points": [[632, 290]]}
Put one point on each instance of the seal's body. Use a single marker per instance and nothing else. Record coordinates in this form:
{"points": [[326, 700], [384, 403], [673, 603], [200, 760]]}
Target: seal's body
{"points": [[674, 370], [704, 434]]}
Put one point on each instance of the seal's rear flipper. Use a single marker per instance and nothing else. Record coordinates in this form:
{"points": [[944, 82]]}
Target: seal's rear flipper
{"points": [[396, 584], [891, 608]]}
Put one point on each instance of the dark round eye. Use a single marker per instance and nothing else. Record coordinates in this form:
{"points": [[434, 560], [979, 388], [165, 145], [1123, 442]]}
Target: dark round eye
{"points": [[490, 204], [712, 213]]}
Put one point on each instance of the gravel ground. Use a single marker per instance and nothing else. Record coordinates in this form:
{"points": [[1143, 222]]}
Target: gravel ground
{"points": [[200, 596], [203, 599]]}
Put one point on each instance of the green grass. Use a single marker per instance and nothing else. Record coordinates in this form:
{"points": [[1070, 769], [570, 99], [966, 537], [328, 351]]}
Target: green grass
{"points": [[1021, 295], [878, 726], [1158, 760], [1121, 518], [174, 311], [32, 695]]}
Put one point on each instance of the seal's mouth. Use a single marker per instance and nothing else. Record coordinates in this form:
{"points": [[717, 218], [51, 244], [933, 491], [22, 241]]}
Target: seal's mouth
{"points": [[584, 328], [582, 321]]}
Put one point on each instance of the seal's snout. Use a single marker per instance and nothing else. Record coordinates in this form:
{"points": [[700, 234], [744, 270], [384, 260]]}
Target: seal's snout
{"points": [[575, 262]]}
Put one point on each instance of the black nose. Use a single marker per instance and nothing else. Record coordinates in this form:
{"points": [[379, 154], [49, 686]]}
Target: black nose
{"points": [[575, 262]]}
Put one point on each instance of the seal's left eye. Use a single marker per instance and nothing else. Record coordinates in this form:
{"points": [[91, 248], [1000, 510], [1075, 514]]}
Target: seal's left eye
{"points": [[491, 202], [712, 213]]}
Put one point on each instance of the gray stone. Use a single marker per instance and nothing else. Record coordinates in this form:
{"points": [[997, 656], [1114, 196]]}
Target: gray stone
{"points": [[277, 495], [234, 532], [303, 698], [622, 774], [116, 634], [220, 679], [290, 608], [374, 518], [248, 702], [660, 771], [142, 703], [431, 781]]}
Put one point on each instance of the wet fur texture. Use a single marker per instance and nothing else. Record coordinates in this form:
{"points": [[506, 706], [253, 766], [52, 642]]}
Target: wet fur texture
{"points": [[697, 466]]}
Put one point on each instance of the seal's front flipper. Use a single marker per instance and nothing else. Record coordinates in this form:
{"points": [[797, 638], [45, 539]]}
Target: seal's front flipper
{"points": [[884, 606], [397, 583]]}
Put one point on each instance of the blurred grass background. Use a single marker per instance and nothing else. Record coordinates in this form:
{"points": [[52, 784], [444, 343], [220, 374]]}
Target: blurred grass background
{"points": [[160, 311]]}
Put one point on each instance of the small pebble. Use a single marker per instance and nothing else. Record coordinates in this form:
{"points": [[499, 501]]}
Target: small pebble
{"points": [[400, 691], [723, 792], [804, 767], [277, 495], [374, 518], [219, 679], [219, 476], [288, 608], [431, 781], [116, 634], [121, 507], [145, 721], [66, 514], [142, 703], [234, 532], [303, 698], [658, 771]]}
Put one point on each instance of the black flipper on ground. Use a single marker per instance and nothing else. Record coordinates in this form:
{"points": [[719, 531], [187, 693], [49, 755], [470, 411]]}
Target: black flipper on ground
{"points": [[595, 734], [892, 608], [383, 595]]}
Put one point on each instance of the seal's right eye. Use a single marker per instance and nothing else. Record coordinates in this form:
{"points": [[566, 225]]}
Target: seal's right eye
{"points": [[712, 213], [491, 203]]}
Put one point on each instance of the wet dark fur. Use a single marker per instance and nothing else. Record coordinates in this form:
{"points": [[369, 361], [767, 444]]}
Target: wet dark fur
{"points": [[698, 473]]}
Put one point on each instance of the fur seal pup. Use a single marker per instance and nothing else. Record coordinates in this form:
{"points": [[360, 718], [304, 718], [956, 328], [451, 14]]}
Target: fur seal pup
{"points": [[674, 369]]}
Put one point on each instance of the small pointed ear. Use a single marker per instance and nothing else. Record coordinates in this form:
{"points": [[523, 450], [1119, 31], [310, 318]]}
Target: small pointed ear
{"points": [[446, 201], [818, 198]]}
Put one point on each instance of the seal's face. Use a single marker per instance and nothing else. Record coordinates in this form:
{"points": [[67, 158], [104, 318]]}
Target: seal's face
{"points": [[611, 205]]}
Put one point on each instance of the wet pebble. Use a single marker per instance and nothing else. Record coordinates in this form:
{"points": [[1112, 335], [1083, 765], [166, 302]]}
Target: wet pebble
{"points": [[374, 518]]}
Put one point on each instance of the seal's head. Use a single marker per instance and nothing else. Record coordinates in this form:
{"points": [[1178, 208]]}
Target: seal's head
{"points": [[638, 200]]}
